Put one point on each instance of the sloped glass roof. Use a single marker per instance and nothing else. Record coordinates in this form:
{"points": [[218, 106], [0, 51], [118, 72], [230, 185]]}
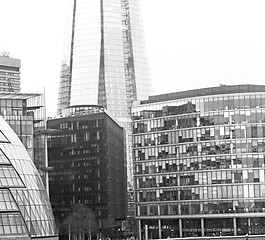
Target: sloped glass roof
{"points": [[25, 209]]}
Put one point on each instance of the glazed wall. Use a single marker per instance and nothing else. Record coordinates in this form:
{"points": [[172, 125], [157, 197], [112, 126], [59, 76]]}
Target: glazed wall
{"points": [[201, 160]]}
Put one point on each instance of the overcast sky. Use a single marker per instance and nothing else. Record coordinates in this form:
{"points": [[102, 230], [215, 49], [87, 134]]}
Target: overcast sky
{"points": [[190, 43]]}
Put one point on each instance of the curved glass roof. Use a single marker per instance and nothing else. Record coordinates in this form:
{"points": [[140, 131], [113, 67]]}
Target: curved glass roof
{"points": [[25, 209]]}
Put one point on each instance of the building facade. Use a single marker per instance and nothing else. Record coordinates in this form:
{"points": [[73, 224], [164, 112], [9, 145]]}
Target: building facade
{"points": [[87, 154], [25, 210], [9, 73], [199, 162], [105, 63], [104, 58], [25, 113]]}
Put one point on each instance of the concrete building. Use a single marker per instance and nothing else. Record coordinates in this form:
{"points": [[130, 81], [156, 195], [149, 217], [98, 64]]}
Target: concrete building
{"points": [[9, 73], [199, 162]]}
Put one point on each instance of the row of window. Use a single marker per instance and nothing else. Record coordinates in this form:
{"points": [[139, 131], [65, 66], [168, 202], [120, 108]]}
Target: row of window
{"points": [[200, 163], [82, 124], [12, 103], [201, 178], [200, 149], [202, 192], [211, 103], [63, 140], [199, 119], [210, 207], [9, 73], [200, 134]]}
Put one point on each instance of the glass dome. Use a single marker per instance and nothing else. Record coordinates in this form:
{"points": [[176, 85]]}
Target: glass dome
{"points": [[25, 210]]}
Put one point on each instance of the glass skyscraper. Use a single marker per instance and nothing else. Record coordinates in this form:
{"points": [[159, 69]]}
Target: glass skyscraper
{"points": [[104, 60], [104, 57]]}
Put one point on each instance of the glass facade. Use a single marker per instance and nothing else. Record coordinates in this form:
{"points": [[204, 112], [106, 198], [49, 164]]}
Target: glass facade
{"points": [[105, 61], [104, 57], [199, 162], [25, 211], [25, 113]]}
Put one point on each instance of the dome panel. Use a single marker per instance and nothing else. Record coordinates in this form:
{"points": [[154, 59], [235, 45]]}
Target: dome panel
{"points": [[24, 205]]}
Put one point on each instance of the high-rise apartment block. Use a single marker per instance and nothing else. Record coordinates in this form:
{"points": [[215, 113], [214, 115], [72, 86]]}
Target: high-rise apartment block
{"points": [[9, 73], [199, 163]]}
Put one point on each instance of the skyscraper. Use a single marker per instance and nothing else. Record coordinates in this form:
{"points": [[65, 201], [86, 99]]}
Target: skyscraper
{"points": [[104, 59], [104, 56]]}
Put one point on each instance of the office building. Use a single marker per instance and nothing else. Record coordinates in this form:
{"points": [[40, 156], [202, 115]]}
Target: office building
{"points": [[199, 162], [25, 113], [87, 154], [9, 73], [25, 211]]}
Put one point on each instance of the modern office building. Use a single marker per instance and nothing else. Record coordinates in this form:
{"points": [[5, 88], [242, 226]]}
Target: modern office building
{"points": [[87, 154], [199, 162], [25, 211], [9, 73], [25, 113]]}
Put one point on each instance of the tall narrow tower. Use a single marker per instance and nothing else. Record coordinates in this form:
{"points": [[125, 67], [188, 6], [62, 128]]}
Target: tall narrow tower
{"points": [[104, 59], [104, 56]]}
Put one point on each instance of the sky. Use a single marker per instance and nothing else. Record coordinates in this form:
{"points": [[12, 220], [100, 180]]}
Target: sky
{"points": [[190, 43]]}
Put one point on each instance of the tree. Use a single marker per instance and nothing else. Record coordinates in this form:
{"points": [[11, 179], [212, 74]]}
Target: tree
{"points": [[80, 222]]}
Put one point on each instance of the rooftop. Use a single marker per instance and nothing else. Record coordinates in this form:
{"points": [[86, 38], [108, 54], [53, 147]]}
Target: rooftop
{"points": [[222, 89], [20, 96]]}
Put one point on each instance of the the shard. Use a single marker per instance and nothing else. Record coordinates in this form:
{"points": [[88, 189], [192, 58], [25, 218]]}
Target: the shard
{"points": [[104, 56], [104, 59]]}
